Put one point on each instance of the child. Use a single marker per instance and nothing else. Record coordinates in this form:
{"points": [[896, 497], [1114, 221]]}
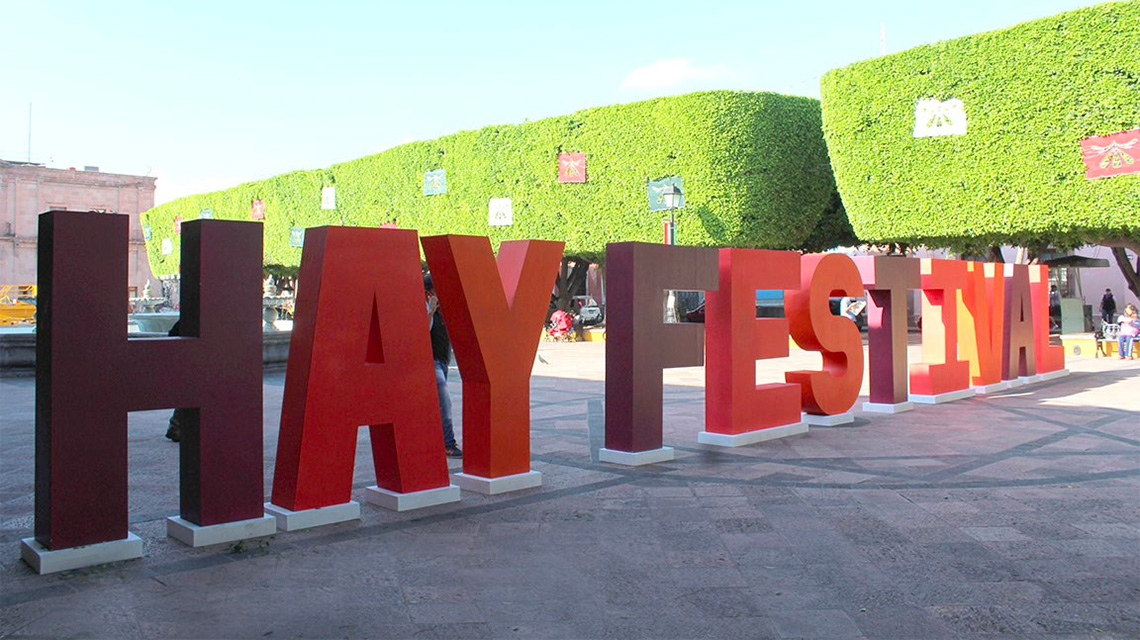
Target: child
{"points": [[1129, 328]]}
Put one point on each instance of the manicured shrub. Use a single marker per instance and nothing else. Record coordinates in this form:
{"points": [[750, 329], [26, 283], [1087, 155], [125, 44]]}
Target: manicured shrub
{"points": [[754, 167], [1031, 93]]}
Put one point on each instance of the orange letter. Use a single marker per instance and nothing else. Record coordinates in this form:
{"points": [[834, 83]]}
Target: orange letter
{"points": [[737, 410], [833, 390], [494, 312], [941, 376], [980, 335]]}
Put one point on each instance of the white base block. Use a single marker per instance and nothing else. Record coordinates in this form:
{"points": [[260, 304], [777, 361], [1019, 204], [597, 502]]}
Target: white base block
{"points": [[45, 561], [296, 520], [396, 501], [1016, 382], [1053, 375], [502, 484], [829, 420], [986, 389], [939, 398], [751, 437], [635, 458], [194, 535], [886, 407], [1036, 378]]}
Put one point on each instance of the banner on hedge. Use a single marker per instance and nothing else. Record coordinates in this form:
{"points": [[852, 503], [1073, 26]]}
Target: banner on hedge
{"points": [[297, 237], [146, 232], [328, 198], [177, 225], [500, 213], [167, 246], [1116, 154], [571, 167], [435, 182], [657, 187], [933, 117], [206, 214], [257, 210]]}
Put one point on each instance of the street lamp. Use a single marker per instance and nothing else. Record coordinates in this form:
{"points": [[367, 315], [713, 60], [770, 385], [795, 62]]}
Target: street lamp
{"points": [[671, 196]]}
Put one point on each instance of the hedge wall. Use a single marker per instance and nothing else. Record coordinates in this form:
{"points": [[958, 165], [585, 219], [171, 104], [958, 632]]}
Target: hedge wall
{"points": [[754, 167], [1031, 93]]}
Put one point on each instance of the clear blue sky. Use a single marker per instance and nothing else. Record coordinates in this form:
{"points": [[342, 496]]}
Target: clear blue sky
{"points": [[205, 95]]}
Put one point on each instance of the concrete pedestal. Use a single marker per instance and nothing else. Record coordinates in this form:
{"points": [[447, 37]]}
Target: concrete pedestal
{"points": [[502, 484], [295, 520], [887, 407], [194, 535], [751, 437], [45, 561], [408, 501], [1053, 375], [833, 420], [635, 458], [987, 389], [940, 398]]}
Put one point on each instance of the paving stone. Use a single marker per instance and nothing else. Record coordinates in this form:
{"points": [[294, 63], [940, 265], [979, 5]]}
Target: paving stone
{"points": [[985, 518]]}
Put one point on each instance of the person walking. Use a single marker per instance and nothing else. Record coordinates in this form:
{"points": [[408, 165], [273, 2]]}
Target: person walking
{"points": [[441, 354], [1129, 328], [1107, 307]]}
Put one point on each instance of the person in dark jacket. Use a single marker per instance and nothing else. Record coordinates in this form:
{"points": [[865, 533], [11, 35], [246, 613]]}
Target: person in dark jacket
{"points": [[441, 354], [1108, 307]]}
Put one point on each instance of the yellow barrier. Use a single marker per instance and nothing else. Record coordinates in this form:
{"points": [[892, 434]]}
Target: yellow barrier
{"points": [[17, 304]]}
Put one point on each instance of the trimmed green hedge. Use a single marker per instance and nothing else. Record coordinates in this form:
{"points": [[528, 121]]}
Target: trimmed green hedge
{"points": [[1032, 93], [754, 166]]}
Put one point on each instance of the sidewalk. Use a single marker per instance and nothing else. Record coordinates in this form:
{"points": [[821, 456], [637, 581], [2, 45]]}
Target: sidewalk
{"points": [[1009, 516]]}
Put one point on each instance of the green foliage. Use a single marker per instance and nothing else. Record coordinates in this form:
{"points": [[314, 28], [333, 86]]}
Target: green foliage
{"points": [[754, 166], [1032, 93]]}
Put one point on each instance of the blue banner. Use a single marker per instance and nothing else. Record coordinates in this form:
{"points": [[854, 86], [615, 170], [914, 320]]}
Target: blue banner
{"points": [[435, 182], [297, 237], [656, 202]]}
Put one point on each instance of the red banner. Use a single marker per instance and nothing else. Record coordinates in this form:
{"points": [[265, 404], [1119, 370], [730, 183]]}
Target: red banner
{"points": [[257, 210], [571, 167], [1116, 154]]}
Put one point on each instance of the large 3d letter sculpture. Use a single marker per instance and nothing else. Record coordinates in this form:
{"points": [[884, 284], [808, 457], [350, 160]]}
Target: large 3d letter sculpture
{"points": [[89, 376], [494, 311], [941, 376], [1019, 355], [1050, 358], [737, 410], [827, 395], [360, 355], [639, 345], [887, 280], [981, 318]]}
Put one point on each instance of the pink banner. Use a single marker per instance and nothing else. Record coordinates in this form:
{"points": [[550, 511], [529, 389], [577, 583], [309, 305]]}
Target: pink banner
{"points": [[1116, 154], [571, 167]]}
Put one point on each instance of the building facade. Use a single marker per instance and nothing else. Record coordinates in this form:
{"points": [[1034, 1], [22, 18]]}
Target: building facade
{"points": [[27, 190]]}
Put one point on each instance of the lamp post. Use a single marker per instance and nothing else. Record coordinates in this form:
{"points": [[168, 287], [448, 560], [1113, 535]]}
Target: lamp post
{"points": [[671, 196]]}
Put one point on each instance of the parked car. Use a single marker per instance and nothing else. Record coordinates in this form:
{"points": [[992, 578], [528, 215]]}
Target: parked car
{"points": [[587, 309]]}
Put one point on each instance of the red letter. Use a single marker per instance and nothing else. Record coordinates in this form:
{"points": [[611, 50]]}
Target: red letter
{"points": [[734, 404], [940, 372], [1049, 357], [833, 390], [360, 355], [887, 279], [639, 345], [89, 375], [980, 333], [1018, 352], [494, 311]]}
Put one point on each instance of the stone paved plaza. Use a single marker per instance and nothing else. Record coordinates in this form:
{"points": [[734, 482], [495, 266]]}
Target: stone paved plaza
{"points": [[1015, 515]]}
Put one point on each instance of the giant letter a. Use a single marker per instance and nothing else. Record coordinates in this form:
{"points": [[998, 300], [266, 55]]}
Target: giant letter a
{"points": [[360, 355]]}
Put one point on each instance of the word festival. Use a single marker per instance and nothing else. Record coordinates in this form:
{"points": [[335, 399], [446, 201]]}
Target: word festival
{"points": [[360, 354]]}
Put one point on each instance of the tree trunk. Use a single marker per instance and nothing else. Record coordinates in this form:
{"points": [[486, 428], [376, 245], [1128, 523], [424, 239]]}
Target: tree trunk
{"points": [[1131, 271], [571, 278]]}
